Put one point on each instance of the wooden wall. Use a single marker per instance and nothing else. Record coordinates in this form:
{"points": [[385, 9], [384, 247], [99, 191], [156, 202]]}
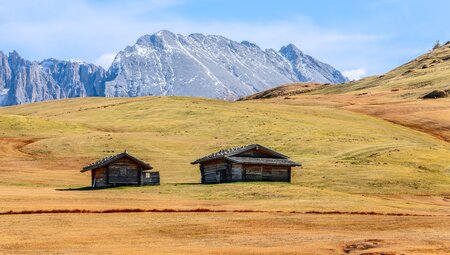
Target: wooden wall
{"points": [[124, 171], [219, 171], [267, 173], [214, 171], [99, 178], [237, 172], [255, 154], [150, 178]]}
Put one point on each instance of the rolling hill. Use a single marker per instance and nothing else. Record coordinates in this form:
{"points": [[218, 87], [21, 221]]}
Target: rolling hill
{"points": [[340, 150], [366, 185], [396, 96], [353, 165]]}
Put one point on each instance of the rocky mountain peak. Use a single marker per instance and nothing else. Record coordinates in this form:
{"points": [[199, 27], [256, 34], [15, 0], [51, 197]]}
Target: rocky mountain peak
{"points": [[164, 63], [250, 45], [209, 66], [165, 34], [159, 40], [291, 51], [23, 81]]}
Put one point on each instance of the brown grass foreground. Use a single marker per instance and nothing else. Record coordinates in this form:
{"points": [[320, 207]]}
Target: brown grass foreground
{"points": [[223, 233]]}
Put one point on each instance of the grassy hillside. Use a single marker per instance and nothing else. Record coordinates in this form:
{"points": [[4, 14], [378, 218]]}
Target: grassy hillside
{"points": [[351, 163], [412, 80], [340, 150], [395, 96], [287, 90]]}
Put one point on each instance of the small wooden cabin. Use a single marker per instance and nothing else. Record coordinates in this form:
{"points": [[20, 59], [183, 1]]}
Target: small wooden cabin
{"points": [[247, 163], [121, 169]]}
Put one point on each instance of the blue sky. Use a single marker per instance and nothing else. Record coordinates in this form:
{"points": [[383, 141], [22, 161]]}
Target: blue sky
{"points": [[359, 37]]}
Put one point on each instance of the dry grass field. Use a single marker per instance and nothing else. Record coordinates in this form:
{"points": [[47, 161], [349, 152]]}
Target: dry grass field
{"points": [[223, 233], [367, 146], [351, 163]]}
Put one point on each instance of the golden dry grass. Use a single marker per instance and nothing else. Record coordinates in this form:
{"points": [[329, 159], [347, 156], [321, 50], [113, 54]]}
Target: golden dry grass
{"points": [[222, 233], [352, 162], [341, 151]]}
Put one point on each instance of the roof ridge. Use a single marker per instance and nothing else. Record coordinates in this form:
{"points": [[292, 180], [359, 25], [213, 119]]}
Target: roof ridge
{"points": [[107, 159], [225, 152], [275, 161]]}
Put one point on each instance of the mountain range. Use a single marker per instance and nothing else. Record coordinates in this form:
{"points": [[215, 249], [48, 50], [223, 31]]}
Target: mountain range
{"points": [[164, 63]]}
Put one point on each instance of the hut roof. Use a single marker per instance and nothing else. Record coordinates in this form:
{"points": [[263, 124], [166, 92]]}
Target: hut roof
{"points": [[228, 153], [263, 161], [109, 159]]}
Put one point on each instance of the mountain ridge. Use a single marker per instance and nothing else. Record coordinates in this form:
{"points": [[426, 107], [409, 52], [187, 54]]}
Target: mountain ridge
{"points": [[235, 69], [24, 81], [167, 64]]}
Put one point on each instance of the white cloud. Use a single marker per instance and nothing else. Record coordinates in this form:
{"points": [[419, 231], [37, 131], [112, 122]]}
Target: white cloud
{"points": [[81, 29], [105, 60], [355, 74]]}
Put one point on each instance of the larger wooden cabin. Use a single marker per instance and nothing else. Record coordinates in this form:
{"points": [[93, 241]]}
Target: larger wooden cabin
{"points": [[248, 163], [121, 169]]}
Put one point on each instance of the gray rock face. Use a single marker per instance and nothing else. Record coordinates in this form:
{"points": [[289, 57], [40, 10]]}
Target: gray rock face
{"points": [[22, 81], [164, 64], [5, 77], [208, 66], [307, 68]]}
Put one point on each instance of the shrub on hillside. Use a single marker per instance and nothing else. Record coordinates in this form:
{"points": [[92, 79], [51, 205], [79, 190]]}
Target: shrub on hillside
{"points": [[436, 45], [435, 94]]}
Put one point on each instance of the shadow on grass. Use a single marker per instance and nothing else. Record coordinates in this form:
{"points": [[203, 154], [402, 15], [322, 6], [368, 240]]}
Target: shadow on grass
{"points": [[107, 187], [172, 184], [243, 183], [79, 189], [98, 188], [186, 183]]}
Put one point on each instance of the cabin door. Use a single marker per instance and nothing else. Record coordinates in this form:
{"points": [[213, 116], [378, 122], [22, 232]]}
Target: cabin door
{"points": [[217, 176], [221, 175]]}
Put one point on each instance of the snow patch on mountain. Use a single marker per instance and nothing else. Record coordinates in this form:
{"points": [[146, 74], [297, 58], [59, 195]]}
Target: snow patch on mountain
{"points": [[167, 64], [209, 66]]}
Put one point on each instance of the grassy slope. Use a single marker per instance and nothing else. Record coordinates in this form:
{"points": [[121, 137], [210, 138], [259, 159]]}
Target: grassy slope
{"points": [[412, 80], [428, 72], [340, 150], [395, 96], [43, 146]]}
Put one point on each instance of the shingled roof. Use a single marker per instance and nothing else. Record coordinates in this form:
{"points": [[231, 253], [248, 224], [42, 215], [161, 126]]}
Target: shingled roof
{"points": [[263, 161], [228, 153], [109, 159]]}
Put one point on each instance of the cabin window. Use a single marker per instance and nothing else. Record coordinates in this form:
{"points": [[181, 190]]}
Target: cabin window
{"points": [[123, 171], [147, 175]]}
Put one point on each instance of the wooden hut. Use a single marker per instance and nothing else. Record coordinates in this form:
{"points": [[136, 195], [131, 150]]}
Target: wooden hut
{"points": [[121, 169], [247, 163]]}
